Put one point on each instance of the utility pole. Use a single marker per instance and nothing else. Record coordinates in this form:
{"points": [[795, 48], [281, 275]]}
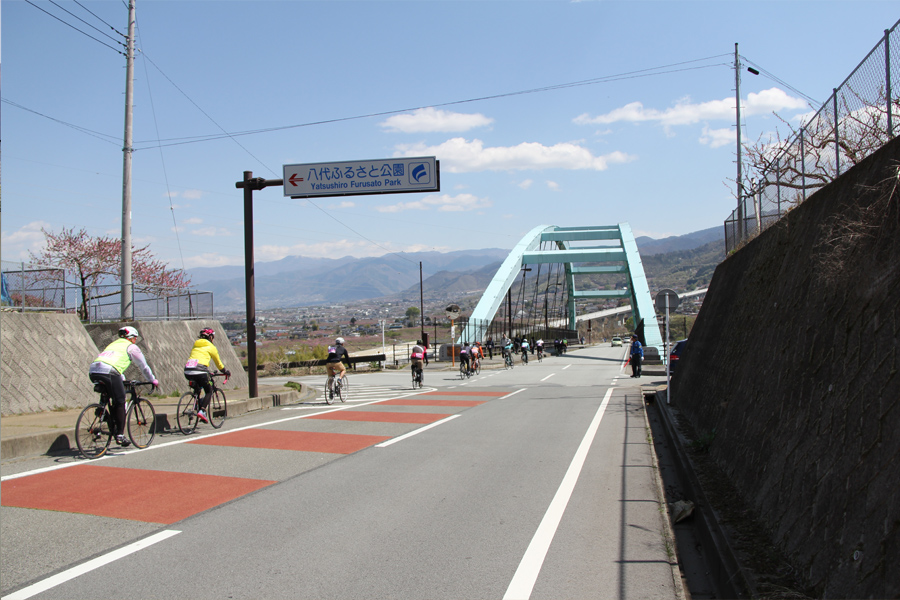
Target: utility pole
{"points": [[740, 180], [421, 306], [127, 305]]}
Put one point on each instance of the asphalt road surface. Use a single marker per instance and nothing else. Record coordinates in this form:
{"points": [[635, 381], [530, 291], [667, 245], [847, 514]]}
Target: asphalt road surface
{"points": [[535, 482]]}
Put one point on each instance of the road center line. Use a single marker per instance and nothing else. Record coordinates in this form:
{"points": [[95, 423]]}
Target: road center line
{"points": [[523, 581], [548, 376], [77, 571]]}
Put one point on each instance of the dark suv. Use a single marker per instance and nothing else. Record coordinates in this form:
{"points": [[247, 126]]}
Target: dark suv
{"points": [[675, 354]]}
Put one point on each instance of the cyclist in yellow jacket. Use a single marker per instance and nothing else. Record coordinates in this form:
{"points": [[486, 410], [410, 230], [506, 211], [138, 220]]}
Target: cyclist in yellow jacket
{"points": [[196, 368], [109, 369]]}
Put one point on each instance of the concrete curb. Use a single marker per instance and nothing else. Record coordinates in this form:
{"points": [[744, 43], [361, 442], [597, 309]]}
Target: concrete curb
{"points": [[62, 441]]}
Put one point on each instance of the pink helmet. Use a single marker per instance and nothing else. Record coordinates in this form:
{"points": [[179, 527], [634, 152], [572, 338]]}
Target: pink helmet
{"points": [[207, 334]]}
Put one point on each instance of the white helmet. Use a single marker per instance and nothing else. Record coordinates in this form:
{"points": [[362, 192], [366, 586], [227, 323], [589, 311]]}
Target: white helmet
{"points": [[128, 332], [339, 341]]}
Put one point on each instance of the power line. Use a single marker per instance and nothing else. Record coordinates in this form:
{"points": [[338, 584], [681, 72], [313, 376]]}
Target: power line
{"points": [[780, 81], [75, 28], [98, 18], [85, 22], [606, 79]]}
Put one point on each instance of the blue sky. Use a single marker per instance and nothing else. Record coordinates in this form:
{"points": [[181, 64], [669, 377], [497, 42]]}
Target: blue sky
{"points": [[540, 112]]}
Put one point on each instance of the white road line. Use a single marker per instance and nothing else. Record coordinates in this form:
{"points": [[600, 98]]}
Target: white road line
{"points": [[90, 565], [523, 581], [415, 432], [548, 376], [566, 367], [511, 394]]}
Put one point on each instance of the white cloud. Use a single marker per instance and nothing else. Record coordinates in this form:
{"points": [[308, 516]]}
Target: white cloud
{"points": [[553, 185], [193, 221], [210, 231], [430, 120], [715, 138], [17, 244], [189, 194], [686, 113], [459, 155], [344, 204], [441, 203], [526, 184]]}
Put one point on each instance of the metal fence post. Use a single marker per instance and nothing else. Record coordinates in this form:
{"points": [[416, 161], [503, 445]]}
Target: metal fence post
{"points": [[837, 137], [778, 183], [887, 81]]}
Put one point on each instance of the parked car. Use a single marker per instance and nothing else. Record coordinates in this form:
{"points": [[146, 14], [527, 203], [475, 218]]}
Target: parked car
{"points": [[617, 341], [675, 355]]}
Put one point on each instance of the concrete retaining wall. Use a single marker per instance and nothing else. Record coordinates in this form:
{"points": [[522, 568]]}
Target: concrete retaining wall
{"points": [[792, 366], [167, 345], [45, 358], [43, 362]]}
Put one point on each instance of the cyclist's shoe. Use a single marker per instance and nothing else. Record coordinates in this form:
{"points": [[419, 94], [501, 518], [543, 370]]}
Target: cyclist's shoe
{"points": [[120, 440], [201, 416]]}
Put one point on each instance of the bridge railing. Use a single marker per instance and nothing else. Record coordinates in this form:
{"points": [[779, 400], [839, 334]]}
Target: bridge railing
{"points": [[860, 117]]}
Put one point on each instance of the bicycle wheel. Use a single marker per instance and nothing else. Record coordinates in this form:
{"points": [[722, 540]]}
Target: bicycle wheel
{"points": [[186, 414], [92, 432], [343, 389], [478, 368], [329, 390], [217, 409], [141, 423], [462, 371]]}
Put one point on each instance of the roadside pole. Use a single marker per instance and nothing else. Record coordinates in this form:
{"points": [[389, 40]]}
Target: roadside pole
{"points": [[666, 300]]}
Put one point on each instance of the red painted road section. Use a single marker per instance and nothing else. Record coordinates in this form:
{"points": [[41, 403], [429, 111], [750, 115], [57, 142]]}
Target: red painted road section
{"points": [[303, 441], [460, 393], [414, 402], [379, 417], [135, 494]]}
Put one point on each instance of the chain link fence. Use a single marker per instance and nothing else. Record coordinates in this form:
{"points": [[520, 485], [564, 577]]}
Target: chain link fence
{"points": [[35, 288], [860, 117]]}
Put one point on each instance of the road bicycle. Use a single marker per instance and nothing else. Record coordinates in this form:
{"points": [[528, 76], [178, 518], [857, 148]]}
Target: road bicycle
{"points": [[418, 377], [525, 358], [464, 370], [508, 360], [336, 387], [93, 430], [540, 354], [189, 406], [476, 366]]}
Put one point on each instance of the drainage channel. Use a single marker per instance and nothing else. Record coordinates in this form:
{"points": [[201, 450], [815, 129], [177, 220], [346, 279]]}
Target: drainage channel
{"points": [[708, 566]]}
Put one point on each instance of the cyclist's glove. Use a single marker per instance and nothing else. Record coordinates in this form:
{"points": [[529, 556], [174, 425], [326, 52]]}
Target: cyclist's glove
{"points": [[227, 373], [155, 387]]}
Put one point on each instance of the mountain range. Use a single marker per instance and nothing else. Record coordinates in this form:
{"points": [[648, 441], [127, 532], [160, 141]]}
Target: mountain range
{"points": [[303, 281]]}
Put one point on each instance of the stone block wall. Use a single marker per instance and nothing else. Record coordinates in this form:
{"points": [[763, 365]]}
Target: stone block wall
{"points": [[43, 362], [793, 363]]}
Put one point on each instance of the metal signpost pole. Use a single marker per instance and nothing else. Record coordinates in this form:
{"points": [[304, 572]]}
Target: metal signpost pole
{"points": [[249, 184]]}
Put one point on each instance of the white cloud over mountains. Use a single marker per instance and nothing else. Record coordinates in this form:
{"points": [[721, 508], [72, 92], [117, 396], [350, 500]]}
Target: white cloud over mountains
{"points": [[439, 202]]}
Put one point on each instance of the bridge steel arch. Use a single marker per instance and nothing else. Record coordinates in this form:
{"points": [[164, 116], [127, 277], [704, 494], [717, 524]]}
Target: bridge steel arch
{"points": [[620, 256]]}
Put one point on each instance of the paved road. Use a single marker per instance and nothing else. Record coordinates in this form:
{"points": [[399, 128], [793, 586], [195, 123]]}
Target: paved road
{"points": [[537, 482]]}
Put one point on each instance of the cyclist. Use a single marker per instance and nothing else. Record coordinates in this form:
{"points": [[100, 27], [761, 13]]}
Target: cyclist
{"points": [[196, 368], [416, 356], [507, 347], [539, 346], [334, 365], [477, 354], [464, 356], [525, 351], [109, 368]]}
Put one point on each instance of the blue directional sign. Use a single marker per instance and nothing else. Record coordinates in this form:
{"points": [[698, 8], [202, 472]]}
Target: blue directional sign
{"points": [[358, 177]]}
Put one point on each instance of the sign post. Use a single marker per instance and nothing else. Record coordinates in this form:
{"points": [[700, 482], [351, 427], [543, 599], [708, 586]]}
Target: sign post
{"points": [[665, 300]]}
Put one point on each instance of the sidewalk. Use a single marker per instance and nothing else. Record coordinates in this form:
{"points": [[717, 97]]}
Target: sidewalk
{"points": [[54, 431]]}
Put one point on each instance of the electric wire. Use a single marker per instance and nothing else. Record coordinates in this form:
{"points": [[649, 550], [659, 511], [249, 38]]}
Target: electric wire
{"points": [[162, 160], [86, 23], [813, 102], [100, 19], [75, 28]]}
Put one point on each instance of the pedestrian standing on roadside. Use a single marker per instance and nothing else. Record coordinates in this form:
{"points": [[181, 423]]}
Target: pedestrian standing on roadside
{"points": [[637, 356]]}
